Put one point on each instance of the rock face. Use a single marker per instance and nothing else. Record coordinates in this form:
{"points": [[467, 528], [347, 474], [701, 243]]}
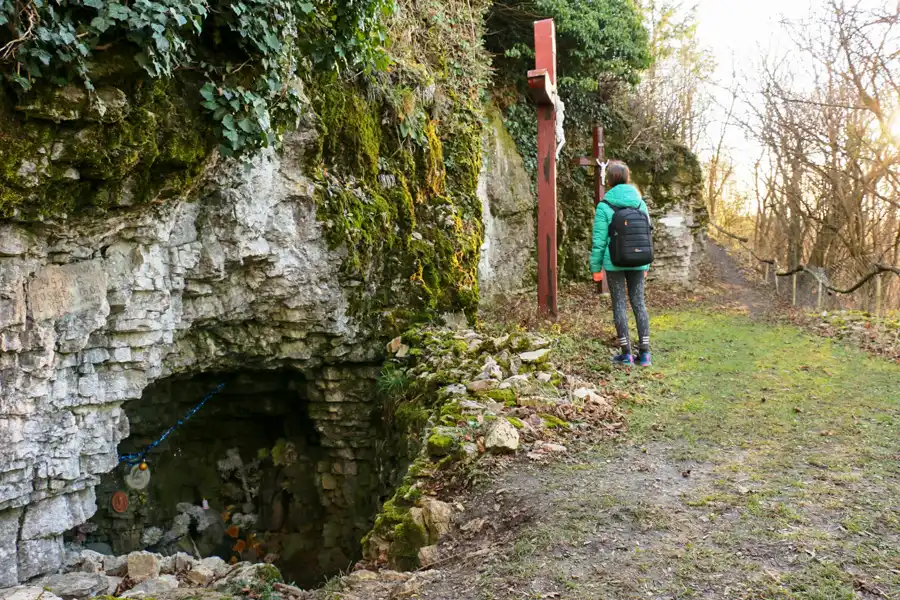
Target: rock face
{"points": [[91, 314], [508, 207], [237, 276], [679, 242]]}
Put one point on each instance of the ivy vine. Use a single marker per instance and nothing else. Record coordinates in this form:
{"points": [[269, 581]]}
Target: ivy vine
{"points": [[247, 52]]}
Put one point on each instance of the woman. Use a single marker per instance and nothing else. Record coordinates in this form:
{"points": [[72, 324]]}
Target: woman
{"points": [[623, 281]]}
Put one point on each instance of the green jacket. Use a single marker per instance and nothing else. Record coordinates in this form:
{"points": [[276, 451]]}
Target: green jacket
{"points": [[624, 196]]}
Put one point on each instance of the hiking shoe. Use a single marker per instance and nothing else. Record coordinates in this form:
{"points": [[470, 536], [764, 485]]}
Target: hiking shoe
{"points": [[625, 360], [644, 359]]}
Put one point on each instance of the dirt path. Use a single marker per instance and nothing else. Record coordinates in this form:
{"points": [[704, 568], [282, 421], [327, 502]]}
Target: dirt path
{"points": [[735, 286], [761, 462]]}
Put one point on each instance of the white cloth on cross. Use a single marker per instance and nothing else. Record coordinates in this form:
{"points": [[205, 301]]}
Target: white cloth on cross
{"points": [[560, 109]]}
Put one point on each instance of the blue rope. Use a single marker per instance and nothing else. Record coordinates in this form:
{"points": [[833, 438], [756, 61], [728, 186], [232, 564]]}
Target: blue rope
{"points": [[138, 457]]}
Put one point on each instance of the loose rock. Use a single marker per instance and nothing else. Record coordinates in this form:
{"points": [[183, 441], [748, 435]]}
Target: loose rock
{"points": [[437, 516], [152, 587], [76, 586], [501, 437], [484, 385], [115, 565], [490, 370], [428, 556], [535, 356], [215, 564], [199, 576], [474, 526], [457, 389], [415, 583], [472, 407], [143, 566], [114, 583], [517, 382], [27, 593], [394, 345]]}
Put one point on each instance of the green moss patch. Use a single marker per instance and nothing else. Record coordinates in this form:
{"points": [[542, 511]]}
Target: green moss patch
{"points": [[151, 148]]}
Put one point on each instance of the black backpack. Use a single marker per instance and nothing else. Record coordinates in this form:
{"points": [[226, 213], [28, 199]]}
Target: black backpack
{"points": [[630, 237]]}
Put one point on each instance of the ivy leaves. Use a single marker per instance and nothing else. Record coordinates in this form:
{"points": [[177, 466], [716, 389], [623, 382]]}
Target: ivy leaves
{"points": [[244, 116], [248, 78]]}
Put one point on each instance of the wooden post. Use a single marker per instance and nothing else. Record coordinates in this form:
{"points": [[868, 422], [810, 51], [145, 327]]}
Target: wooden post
{"points": [[819, 299], [794, 300], [767, 273], [878, 295], [542, 81], [776, 280], [599, 155]]}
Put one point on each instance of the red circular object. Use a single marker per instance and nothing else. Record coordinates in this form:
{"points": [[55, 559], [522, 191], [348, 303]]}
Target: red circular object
{"points": [[120, 502]]}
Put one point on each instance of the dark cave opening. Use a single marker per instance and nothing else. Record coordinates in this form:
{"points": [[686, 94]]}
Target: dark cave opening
{"points": [[279, 466]]}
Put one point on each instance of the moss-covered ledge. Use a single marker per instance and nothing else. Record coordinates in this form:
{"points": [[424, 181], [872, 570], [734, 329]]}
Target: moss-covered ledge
{"points": [[405, 210], [65, 151]]}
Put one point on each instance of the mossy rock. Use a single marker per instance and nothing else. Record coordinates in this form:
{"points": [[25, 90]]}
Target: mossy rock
{"points": [[409, 536], [460, 348], [62, 156], [409, 234], [503, 396], [400, 529], [411, 417], [268, 573], [444, 441], [552, 422]]}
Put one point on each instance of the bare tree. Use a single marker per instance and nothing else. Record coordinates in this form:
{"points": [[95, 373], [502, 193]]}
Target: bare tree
{"points": [[828, 185]]}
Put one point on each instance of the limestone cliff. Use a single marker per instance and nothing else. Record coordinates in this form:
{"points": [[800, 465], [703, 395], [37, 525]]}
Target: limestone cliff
{"points": [[246, 268]]}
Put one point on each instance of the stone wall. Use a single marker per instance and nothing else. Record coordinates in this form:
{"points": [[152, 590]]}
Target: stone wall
{"points": [[238, 275]]}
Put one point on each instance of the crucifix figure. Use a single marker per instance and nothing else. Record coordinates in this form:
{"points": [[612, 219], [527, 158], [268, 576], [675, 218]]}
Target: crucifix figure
{"points": [[599, 165], [542, 83]]}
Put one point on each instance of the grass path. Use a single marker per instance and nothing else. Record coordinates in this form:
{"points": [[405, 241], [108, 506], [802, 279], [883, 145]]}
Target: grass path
{"points": [[761, 462]]}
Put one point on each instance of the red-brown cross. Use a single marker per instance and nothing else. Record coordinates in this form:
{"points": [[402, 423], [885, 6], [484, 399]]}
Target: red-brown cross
{"points": [[599, 187], [542, 82]]}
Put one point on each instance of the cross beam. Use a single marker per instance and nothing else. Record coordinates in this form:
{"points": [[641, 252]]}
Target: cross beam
{"points": [[542, 83], [599, 187]]}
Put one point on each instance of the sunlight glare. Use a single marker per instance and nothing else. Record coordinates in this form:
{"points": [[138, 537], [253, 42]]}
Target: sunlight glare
{"points": [[894, 126]]}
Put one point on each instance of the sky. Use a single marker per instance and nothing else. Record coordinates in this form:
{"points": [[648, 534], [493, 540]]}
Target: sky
{"points": [[739, 32]]}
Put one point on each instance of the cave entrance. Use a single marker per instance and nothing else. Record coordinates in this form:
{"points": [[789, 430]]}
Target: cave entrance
{"points": [[277, 466]]}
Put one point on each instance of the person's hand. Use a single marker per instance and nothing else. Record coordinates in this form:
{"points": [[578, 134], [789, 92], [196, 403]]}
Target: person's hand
{"points": [[598, 277]]}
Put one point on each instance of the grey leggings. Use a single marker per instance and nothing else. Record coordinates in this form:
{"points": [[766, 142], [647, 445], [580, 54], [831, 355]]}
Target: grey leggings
{"points": [[634, 282]]}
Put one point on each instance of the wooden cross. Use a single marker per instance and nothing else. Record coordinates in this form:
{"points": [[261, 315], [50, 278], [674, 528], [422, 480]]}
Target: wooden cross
{"points": [[599, 187], [542, 82]]}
